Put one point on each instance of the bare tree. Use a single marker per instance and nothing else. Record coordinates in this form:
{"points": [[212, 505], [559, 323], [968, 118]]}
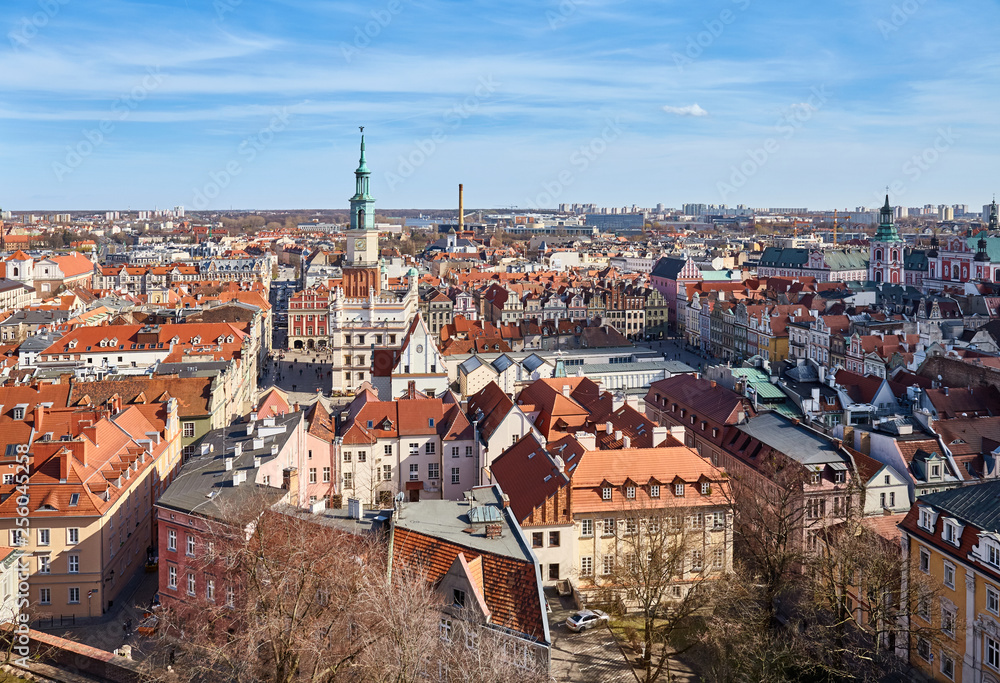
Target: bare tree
{"points": [[769, 521], [663, 569], [285, 599]]}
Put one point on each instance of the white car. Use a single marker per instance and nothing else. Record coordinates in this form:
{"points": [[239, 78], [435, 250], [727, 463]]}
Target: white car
{"points": [[588, 618]]}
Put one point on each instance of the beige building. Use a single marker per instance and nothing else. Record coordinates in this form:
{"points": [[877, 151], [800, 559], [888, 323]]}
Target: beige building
{"points": [[93, 474]]}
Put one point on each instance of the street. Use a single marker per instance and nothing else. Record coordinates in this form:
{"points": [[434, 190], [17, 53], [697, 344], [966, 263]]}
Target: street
{"points": [[674, 348]]}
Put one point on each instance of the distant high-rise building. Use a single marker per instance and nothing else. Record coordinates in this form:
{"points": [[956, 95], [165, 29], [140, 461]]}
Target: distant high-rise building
{"points": [[695, 209], [902, 212], [946, 213], [178, 212]]}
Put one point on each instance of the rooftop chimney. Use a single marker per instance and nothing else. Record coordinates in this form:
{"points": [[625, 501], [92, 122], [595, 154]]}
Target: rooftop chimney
{"points": [[461, 208], [618, 435], [566, 390], [229, 464], [626, 442], [609, 427]]}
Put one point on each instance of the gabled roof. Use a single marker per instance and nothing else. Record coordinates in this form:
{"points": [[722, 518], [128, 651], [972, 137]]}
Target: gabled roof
{"points": [[528, 474]]}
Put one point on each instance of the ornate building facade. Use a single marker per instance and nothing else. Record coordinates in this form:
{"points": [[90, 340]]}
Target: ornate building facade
{"points": [[359, 315], [886, 262]]}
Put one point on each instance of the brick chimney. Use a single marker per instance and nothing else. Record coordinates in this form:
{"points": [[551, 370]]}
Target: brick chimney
{"points": [[39, 418]]}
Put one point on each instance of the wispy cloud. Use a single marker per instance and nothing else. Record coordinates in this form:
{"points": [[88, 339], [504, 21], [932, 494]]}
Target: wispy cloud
{"points": [[689, 110]]}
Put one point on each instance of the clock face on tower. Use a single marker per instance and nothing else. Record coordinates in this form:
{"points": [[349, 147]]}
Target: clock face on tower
{"points": [[359, 243]]}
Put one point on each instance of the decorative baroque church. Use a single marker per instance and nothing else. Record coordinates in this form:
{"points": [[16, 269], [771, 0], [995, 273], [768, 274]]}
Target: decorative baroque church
{"points": [[949, 263], [359, 315]]}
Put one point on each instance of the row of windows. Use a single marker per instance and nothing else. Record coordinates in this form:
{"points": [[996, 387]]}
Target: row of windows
{"points": [[695, 562], [192, 585], [19, 537], [654, 490], [697, 520]]}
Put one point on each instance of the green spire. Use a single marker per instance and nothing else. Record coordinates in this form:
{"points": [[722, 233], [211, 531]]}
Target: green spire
{"points": [[362, 166], [886, 228]]}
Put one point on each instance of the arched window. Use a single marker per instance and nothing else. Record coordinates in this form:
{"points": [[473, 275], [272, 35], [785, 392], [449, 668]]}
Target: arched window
{"points": [[955, 273], [878, 254], [878, 276], [895, 255], [895, 276]]}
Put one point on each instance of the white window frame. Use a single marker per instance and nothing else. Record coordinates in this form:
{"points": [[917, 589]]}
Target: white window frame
{"points": [[949, 574], [586, 527]]}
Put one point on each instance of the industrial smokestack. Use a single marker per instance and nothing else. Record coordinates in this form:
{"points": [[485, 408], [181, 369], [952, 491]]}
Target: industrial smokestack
{"points": [[461, 208]]}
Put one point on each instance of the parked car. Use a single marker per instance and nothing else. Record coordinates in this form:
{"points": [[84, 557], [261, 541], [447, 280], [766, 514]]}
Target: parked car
{"points": [[588, 618]]}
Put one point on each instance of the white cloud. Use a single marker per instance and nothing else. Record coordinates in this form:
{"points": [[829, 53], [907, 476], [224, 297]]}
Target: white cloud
{"points": [[690, 110]]}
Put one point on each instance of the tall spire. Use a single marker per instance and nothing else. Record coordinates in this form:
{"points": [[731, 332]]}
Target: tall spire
{"points": [[886, 228], [993, 215], [362, 166], [362, 203]]}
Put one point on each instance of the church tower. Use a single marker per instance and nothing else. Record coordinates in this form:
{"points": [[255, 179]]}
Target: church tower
{"points": [[886, 251], [361, 272]]}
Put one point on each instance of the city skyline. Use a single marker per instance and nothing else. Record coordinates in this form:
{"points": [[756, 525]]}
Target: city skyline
{"points": [[122, 104]]}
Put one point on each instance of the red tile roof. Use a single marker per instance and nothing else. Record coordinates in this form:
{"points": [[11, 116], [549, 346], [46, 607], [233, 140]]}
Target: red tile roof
{"points": [[510, 586]]}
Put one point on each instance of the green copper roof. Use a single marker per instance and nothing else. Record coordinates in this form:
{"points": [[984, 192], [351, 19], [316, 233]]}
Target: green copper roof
{"points": [[886, 228], [362, 166]]}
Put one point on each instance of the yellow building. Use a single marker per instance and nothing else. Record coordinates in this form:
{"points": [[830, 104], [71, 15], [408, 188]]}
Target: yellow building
{"points": [[77, 497], [952, 539]]}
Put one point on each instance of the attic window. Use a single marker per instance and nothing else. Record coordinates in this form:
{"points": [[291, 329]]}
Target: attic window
{"points": [[956, 442], [430, 422], [74, 499]]}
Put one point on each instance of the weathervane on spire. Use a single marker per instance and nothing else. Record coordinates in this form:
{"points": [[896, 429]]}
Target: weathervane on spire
{"points": [[361, 128]]}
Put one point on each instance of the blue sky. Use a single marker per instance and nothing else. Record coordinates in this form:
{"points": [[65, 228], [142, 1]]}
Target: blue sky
{"points": [[255, 103]]}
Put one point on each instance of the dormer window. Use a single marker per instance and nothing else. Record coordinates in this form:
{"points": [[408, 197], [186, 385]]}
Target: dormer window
{"points": [[196, 340], [229, 339], [839, 477], [679, 489], [706, 488], [73, 344], [630, 492], [935, 471], [606, 493], [952, 532], [654, 491], [814, 478], [928, 518], [175, 340]]}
